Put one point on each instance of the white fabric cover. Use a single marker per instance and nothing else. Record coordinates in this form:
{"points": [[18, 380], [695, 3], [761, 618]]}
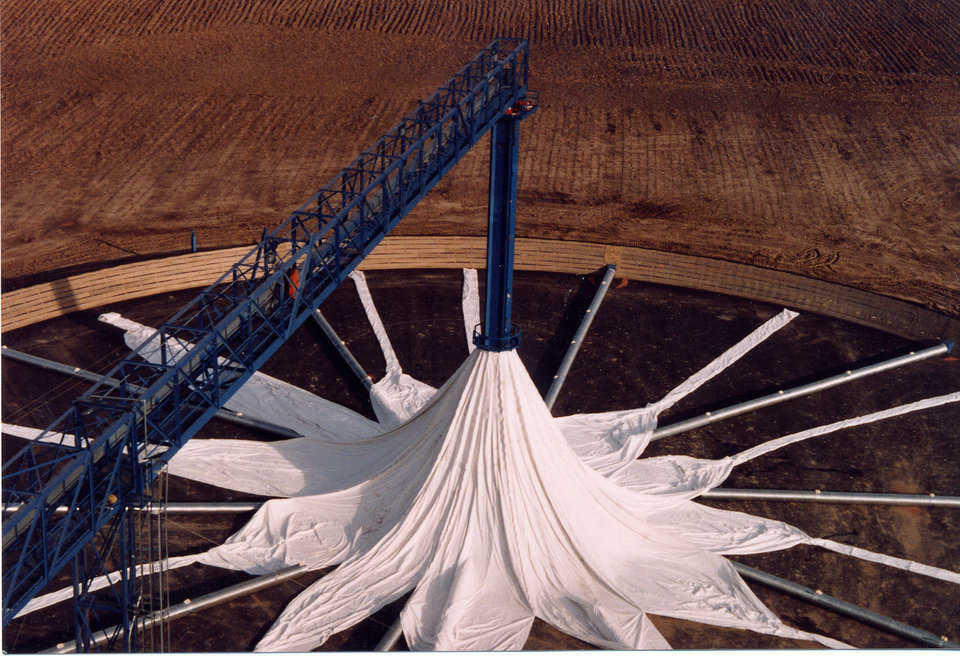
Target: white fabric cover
{"points": [[325, 529], [508, 503]]}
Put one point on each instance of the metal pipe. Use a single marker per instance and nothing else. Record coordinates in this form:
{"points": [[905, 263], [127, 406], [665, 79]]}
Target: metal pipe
{"points": [[835, 497], [190, 507], [242, 420], [342, 349], [391, 637], [189, 606], [223, 413], [818, 598], [179, 507], [574, 347], [720, 493], [785, 395], [59, 367]]}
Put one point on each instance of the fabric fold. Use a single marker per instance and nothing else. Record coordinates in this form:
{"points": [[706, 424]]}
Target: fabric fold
{"points": [[105, 580], [376, 323], [793, 438], [375, 576]]}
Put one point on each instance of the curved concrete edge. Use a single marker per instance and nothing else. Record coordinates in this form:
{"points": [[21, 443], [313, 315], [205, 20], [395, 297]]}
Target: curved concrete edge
{"points": [[85, 291]]}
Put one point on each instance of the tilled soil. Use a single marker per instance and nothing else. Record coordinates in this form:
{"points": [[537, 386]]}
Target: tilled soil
{"points": [[818, 139]]}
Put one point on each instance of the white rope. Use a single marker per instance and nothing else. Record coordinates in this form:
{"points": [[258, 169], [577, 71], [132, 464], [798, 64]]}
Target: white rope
{"points": [[780, 442], [891, 561], [103, 581], [389, 355], [726, 359]]}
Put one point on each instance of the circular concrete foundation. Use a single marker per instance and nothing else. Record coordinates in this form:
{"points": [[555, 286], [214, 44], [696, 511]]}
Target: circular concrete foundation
{"points": [[646, 338]]}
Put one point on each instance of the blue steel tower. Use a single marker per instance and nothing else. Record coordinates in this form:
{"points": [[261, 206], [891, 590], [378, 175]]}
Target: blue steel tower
{"points": [[498, 333]]}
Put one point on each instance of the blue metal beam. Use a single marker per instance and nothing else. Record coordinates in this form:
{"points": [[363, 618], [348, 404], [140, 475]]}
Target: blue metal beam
{"points": [[498, 333], [234, 326]]}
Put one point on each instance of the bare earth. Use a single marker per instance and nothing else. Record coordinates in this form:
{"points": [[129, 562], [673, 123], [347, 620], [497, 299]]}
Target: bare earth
{"points": [[821, 140]]}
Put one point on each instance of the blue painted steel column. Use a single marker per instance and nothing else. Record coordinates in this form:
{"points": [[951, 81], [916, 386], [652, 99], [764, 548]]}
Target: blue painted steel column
{"points": [[498, 334]]}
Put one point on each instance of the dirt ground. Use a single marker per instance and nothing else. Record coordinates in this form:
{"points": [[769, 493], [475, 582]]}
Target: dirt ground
{"points": [[819, 138], [645, 340]]}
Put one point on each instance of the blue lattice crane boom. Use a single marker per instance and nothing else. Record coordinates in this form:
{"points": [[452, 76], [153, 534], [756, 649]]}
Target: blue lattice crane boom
{"points": [[110, 445]]}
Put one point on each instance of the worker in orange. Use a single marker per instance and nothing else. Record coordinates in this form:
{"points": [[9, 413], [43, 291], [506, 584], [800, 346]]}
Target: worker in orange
{"points": [[294, 283]]}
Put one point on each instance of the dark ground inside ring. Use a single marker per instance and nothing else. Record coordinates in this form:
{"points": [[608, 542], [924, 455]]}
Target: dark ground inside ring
{"points": [[645, 339]]}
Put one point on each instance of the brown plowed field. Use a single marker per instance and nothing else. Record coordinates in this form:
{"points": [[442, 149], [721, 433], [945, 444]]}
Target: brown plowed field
{"points": [[817, 138]]}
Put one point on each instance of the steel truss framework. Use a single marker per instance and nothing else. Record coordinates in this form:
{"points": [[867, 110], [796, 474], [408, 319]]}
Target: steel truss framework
{"points": [[123, 434]]}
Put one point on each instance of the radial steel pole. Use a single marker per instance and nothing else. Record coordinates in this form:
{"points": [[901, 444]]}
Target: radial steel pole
{"points": [[180, 507], [227, 415], [195, 507], [342, 349], [574, 347], [189, 606], [845, 608], [802, 390], [391, 637], [824, 496], [820, 496]]}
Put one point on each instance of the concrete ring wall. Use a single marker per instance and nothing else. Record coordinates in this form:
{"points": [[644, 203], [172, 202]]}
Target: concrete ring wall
{"points": [[36, 303]]}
